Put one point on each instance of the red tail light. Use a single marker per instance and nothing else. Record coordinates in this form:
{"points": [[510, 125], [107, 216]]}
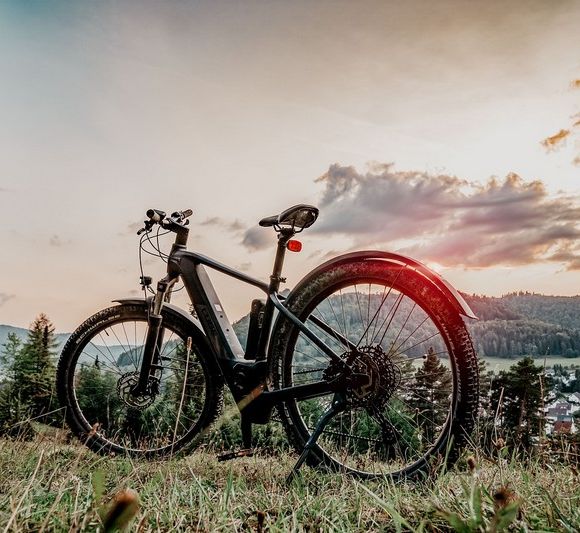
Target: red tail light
{"points": [[294, 246]]}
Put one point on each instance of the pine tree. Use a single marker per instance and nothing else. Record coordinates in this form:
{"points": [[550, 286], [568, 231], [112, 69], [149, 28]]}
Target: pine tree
{"points": [[96, 392], [430, 396], [9, 351], [518, 395], [33, 370], [486, 414], [11, 410], [8, 407]]}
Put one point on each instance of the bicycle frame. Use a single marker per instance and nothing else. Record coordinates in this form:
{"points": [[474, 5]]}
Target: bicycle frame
{"points": [[375, 382], [245, 374]]}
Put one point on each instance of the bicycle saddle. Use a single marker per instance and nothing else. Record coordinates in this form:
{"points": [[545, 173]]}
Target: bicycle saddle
{"points": [[299, 216]]}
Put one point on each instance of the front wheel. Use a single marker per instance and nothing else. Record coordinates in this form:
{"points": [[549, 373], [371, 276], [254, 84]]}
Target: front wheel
{"points": [[396, 332], [99, 366]]}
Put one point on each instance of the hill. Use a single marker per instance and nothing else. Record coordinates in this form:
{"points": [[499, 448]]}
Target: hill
{"points": [[22, 334], [509, 326], [61, 338], [561, 310], [526, 324]]}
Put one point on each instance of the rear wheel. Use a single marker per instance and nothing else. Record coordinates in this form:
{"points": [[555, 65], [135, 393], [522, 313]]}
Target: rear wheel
{"points": [[100, 365], [419, 398]]}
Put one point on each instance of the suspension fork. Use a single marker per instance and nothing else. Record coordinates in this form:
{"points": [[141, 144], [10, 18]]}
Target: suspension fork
{"points": [[154, 337]]}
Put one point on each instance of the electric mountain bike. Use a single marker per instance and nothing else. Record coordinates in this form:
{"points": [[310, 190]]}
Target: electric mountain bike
{"points": [[367, 360]]}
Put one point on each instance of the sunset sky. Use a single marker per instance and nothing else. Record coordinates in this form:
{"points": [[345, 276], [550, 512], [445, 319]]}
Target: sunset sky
{"points": [[414, 126]]}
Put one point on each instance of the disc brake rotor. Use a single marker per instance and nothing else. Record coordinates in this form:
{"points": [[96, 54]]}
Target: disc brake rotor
{"points": [[127, 382]]}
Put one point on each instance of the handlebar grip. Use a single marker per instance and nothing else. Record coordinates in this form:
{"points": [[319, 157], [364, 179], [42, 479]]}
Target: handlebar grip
{"points": [[155, 215], [181, 215]]}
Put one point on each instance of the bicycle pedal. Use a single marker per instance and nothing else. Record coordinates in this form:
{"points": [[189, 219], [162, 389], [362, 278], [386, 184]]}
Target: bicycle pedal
{"points": [[227, 456]]}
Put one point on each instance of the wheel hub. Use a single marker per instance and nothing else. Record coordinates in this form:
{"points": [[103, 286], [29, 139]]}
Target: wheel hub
{"points": [[368, 374], [126, 384]]}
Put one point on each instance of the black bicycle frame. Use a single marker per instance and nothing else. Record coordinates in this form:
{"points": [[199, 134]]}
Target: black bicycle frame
{"points": [[245, 374]]}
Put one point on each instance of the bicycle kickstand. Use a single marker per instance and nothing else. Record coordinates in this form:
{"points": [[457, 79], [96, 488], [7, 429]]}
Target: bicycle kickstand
{"points": [[337, 405]]}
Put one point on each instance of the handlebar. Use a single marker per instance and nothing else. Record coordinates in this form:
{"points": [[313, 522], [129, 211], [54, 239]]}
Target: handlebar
{"points": [[155, 215], [173, 223], [186, 213]]}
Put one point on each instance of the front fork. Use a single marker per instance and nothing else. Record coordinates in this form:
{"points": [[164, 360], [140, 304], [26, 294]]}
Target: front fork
{"points": [[154, 337]]}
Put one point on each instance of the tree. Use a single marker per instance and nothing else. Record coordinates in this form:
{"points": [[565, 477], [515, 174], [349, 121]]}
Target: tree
{"points": [[518, 396], [430, 396], [9, 407], [32, 370], [9, 352], [97, 395]]}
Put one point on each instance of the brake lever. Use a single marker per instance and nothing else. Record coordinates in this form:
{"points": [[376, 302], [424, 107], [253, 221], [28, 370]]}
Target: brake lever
{"points": [[148, 225]]}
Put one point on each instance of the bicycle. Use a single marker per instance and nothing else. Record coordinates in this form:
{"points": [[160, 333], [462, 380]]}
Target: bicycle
{"points": [[367, 360]]}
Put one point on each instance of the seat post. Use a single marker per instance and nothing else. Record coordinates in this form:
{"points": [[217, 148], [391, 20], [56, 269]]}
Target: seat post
{"points": [[276, 278]]}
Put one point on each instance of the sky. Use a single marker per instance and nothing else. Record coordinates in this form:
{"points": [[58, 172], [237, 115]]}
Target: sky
{"points": [[414, 126]]}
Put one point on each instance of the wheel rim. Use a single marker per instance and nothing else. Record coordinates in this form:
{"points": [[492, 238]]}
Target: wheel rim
{"points": [[105, 369], [374, 436]]}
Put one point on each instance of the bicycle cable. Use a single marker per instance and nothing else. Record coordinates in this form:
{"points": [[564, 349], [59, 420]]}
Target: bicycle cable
{"points": [[158, 253]]}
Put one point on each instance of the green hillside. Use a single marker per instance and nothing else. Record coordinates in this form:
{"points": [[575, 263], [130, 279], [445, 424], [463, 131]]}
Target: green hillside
{"points": [[561, 310], [526, 324], [511, 326]]}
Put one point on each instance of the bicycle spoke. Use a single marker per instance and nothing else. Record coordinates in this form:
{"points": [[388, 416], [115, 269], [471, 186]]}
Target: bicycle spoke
{"points": [[397, 331], [380, 306], [383, 299], [392, 314], [167, 412]]}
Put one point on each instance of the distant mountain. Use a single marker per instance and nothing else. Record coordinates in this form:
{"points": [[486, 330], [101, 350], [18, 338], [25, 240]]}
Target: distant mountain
{"points": [[509, 326], [118, 353], [512, 325], [561, 310], [489, 308], [22, 334], [524, 323], [5, 330]]}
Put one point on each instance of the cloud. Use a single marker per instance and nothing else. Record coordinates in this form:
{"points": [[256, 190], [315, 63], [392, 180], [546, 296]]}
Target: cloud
{"points": [[5, 297], [257, 238], [245, 267], [133, 228], [213, 221], [55, 241], [450, 220], [254, 238], [233, 226], [554, 141]]}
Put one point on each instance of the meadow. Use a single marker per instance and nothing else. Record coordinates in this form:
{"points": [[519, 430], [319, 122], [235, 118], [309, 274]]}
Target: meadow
{"points": [[51, 484], [499, 363]]}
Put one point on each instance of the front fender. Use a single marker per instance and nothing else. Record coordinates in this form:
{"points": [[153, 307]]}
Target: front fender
{"points": [[141, 301], [445, 287]]}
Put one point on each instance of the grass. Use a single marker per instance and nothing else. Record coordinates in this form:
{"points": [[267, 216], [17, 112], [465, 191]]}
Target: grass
{"points": [[500, 363], [49, 485]]}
